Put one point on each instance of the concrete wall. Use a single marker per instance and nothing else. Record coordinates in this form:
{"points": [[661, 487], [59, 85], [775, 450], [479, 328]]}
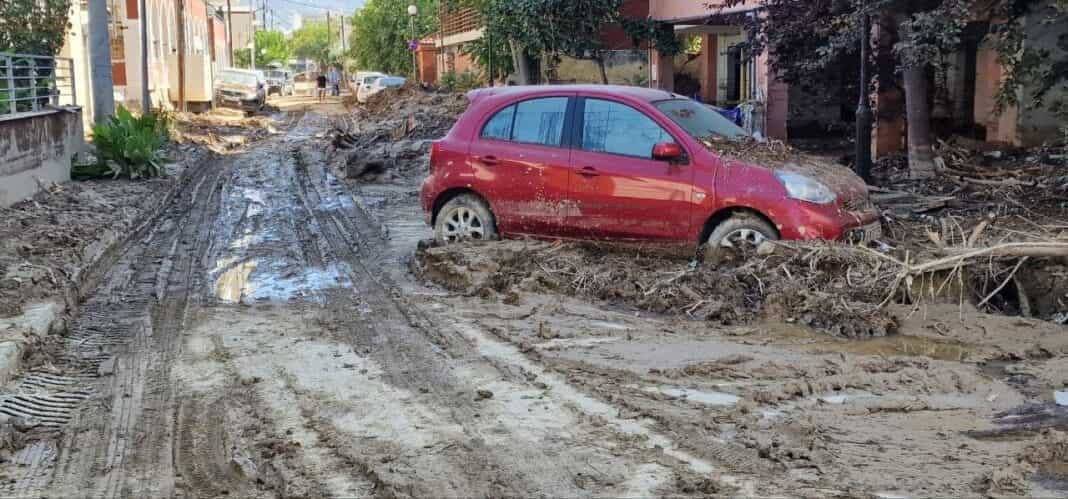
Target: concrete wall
{"points": [[36, 149]]}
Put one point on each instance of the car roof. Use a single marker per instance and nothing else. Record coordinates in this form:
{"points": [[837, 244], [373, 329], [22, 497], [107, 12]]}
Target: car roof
{"points": [[638, 93]]}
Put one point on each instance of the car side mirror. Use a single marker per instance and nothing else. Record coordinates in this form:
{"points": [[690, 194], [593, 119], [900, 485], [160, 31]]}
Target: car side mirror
{"points": [[667, 151]]}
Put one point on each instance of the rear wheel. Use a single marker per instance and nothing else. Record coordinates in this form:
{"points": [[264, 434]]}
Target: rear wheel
{"points": [[740, 231], [465, 218]]}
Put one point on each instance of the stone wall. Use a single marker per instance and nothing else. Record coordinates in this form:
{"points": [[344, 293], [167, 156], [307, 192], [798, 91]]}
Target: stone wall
{"points": [[36, 149]]}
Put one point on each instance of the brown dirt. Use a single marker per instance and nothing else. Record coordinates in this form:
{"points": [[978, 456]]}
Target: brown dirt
{"points": [[45, 240], [389, 137]]}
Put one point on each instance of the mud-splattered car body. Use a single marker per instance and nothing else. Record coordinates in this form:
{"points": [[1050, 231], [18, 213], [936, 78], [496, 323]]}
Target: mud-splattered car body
{"points": [[557, 171]]}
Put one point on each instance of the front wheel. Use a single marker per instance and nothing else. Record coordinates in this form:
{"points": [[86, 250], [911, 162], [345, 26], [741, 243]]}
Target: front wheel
{"points": [[740, 231], [465, 218]]}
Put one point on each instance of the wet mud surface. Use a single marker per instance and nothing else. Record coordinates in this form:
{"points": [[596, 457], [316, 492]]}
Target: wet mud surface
{"points": [[276, 334], [262, 338]]}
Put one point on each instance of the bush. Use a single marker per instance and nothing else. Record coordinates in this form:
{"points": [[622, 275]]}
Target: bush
{"points": [[132, 146], [461, 82]]}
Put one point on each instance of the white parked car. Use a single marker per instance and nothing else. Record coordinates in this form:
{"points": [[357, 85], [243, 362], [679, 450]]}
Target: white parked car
{"points": [[379, 84], [365, 80]]}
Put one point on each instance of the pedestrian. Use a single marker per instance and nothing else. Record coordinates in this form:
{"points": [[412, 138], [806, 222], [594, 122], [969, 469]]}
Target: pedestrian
{"points": [[321, 83], [335, 81]]}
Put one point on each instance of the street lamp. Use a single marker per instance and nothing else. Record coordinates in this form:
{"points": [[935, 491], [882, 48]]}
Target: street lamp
{"points": [[412, 12]]}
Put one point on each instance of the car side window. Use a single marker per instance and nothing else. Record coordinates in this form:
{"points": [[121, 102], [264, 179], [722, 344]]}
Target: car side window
{"points": [[540, 121], [616, 128], [500, 125]]}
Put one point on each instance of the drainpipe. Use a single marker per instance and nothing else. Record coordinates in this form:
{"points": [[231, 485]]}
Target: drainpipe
{"points": [[146, 98], [864, 114]]}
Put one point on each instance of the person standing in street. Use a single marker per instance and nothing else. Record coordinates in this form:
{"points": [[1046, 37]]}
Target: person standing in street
{"points": [[335, 81], [320, 83]]}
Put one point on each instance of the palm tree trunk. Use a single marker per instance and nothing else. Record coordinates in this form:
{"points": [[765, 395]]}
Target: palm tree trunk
{"points": [[921, 154]]}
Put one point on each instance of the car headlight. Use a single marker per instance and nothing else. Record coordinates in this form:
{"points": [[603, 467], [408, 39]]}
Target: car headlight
{"points": [[805, 188]]}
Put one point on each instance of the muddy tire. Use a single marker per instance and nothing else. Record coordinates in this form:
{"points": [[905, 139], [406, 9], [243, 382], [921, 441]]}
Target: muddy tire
{"points": [[465, 218], [739, 229]]}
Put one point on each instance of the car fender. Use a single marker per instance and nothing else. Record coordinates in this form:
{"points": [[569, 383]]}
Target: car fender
{"points": [[752, 187]]}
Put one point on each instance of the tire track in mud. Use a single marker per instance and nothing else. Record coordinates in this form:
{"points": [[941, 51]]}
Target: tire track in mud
{"points": [[419, 354], [135, 436]]}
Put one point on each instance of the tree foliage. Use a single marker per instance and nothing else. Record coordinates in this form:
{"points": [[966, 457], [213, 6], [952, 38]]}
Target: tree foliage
{"points": [[555, 27], [271, 46], [316, 41], [381, 30], [806, 38], [33, 26]]}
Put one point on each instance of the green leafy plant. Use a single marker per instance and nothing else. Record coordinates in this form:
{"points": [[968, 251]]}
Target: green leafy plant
{"points": [[131, 146], [460, 82]]}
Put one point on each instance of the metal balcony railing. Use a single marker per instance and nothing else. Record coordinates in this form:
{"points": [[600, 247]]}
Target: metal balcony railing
{"points": [[31, 83]]}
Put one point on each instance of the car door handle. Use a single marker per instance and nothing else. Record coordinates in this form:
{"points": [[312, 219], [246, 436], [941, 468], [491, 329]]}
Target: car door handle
{"points": [[488, 160], [588, 171]]}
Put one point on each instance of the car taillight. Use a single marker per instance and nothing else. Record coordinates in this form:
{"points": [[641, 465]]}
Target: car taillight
{"points": [[435, 151]]}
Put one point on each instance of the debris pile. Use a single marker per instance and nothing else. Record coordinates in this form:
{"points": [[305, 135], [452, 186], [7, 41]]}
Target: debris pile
{"points": [[842, 290], [221, 130], [835, 291], [47, 241], [390, 135]]}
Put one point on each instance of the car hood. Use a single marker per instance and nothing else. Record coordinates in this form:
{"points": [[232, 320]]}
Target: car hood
{"points": [[777, 156], [843, 181]]}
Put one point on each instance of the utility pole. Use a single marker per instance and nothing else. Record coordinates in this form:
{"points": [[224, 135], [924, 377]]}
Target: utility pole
{"points": [[180, 17], [146, 98], [230, 31], [100, 67], [342, 28], [252, 26], [264, 15], [329, 33], [864, 115]]}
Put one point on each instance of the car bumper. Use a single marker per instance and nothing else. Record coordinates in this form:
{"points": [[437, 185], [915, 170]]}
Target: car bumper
{"points": [[245, 105], [807, 221]]}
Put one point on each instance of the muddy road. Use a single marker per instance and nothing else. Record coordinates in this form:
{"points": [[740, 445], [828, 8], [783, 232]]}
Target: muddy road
{"points": [[268, 337], [259, 341]]}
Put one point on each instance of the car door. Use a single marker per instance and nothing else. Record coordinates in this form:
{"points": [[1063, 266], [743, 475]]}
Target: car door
{"points": [[520, 158], [618, 189]]}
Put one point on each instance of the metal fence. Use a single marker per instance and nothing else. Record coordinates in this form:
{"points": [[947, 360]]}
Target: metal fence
{"points": [[30, 83]]}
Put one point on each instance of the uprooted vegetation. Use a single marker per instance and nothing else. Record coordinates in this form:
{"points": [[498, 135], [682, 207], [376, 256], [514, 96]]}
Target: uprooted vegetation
{"points": [[842, 290]]}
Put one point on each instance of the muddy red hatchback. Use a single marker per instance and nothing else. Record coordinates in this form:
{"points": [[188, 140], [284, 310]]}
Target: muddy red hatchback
{"points": [[625, 163]]}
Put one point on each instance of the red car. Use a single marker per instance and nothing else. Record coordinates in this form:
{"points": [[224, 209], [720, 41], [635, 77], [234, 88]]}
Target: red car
{"points": [[624, 163]]}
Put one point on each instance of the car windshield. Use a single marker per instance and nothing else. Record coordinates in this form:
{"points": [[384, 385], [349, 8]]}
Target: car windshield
{"points": [[238, 78], [391, 82], [698, 120], [370, 79], [276, 75]]}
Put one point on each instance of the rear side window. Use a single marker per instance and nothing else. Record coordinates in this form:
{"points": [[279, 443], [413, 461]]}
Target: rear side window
{"points": [[535, 121], [616, 128], [500, 125]]}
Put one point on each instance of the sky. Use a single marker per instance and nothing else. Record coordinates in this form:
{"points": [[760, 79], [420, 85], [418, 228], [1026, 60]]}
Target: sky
{"points": [[285, 13]]}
